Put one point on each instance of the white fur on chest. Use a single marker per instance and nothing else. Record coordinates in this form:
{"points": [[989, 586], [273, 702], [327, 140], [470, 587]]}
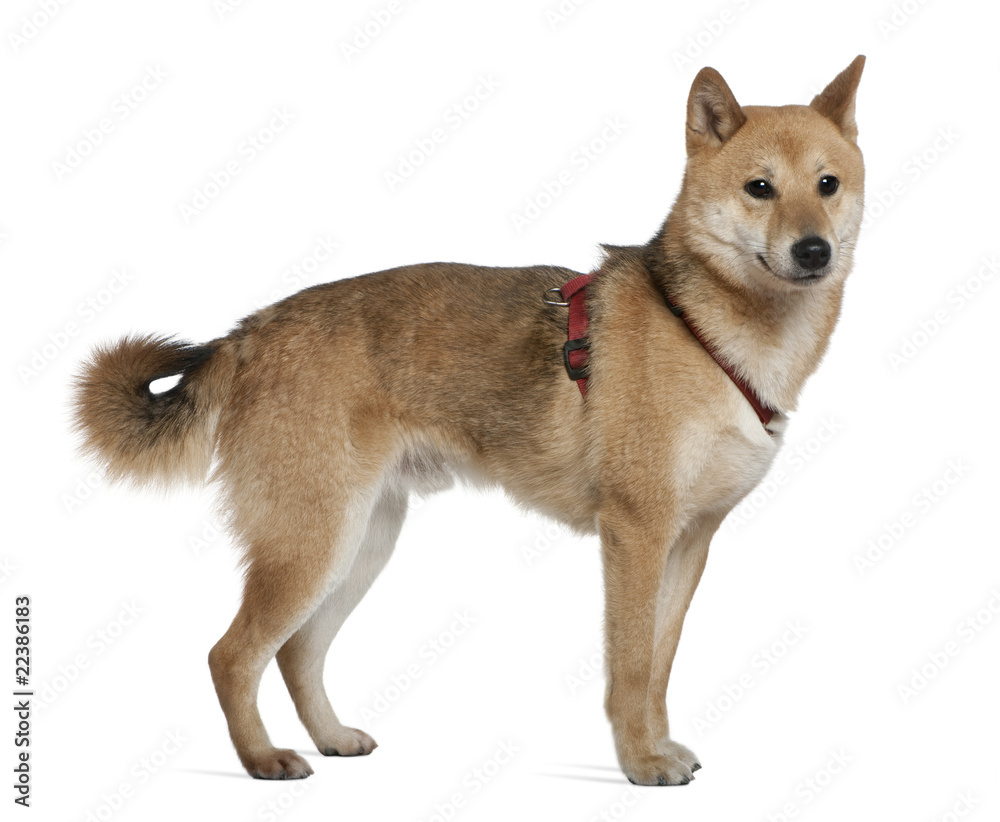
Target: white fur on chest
{"points": [[720, 466]]}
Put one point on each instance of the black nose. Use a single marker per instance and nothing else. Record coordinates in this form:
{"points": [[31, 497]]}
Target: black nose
{"points": [[811, 252]]}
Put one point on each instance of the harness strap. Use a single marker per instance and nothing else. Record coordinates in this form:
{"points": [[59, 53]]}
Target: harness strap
{"points": [[764, 412], [576, 351]]}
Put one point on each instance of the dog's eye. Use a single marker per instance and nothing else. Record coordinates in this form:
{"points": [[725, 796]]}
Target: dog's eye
{"points": [[828, 185], [761, 189]]}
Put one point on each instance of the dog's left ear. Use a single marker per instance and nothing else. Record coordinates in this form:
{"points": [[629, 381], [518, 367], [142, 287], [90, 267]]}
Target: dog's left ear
{"points": [[836, 101], [713, 115]]}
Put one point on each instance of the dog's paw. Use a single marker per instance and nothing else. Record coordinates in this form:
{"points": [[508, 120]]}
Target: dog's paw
{"points": [[347, 742], [277, 764], [659, 769], [668, 747]]}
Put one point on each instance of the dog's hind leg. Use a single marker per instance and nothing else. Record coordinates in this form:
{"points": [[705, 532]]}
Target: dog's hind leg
{"points": [[289, 575], [302, 656]]}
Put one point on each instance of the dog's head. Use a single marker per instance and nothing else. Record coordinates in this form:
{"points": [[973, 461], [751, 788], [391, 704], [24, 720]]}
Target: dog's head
{"points": [[774, 193]]}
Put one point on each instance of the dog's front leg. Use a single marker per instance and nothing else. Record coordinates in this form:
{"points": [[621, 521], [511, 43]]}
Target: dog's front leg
{"points": [[681, 573], [635, 550]]}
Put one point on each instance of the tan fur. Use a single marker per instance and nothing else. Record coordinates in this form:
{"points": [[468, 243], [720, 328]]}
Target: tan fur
{"points": [[325, 410]]}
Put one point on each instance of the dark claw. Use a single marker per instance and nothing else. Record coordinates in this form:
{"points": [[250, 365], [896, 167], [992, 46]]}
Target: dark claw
{"points": [[330, 752], [696, 767]]}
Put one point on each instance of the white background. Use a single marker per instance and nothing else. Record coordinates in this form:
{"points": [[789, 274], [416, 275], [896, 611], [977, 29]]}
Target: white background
{"points": [[770, 734]]}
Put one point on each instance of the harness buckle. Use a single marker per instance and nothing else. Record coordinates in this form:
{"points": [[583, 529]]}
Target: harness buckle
{"points": [[582, 344]]}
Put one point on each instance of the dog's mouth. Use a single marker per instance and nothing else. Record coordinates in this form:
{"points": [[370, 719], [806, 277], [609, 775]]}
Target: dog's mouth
{"points": [[805, 278]]}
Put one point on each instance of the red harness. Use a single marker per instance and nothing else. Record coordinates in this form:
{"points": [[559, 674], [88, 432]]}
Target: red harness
{"points": [[576, 351]]}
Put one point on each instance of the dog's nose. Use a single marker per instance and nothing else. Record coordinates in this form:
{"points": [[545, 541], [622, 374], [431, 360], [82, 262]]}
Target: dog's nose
{"points": [[811, 253]]}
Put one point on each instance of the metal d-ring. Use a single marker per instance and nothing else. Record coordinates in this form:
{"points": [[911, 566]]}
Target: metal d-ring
{"points": [[547, 301]]}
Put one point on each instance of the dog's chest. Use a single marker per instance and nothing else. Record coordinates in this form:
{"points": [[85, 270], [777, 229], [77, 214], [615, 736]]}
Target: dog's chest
{"points": [[720, 470]]}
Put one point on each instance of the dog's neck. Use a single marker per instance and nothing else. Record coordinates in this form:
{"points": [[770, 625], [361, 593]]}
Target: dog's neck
{"points": [[774, 339]]}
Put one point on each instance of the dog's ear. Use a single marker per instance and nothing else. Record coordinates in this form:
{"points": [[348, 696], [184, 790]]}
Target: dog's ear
{"points": [[713, 115], [836, 101]]}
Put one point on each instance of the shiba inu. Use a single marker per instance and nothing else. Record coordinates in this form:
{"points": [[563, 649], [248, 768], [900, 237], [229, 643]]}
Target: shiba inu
{"points": [[324, 411]]}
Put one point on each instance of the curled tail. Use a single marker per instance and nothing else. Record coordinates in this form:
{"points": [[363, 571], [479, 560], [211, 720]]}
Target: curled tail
{"points": [[145, 437]]}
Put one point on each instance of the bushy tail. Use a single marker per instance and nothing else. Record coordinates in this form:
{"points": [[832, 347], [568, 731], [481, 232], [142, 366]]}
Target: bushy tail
{"points": [[152, 438]]}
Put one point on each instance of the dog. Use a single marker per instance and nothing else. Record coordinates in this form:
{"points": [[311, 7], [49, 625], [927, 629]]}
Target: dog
{"points": [[640, 402]]}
